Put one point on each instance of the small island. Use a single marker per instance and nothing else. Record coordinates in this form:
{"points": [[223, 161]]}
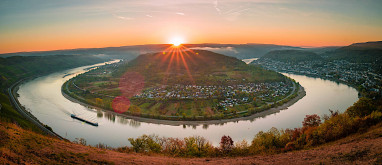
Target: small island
{"points": [[179, 85]]}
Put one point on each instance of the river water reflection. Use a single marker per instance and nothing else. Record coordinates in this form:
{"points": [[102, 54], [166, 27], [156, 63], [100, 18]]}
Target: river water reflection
{"points": [[42, 97]]}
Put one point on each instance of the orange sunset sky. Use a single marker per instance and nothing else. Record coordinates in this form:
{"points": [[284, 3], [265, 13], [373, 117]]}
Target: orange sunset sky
{"points": [[51, 24]]}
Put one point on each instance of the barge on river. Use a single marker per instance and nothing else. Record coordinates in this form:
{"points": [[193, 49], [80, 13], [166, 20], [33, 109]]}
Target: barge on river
{"points": [[83, 120]]}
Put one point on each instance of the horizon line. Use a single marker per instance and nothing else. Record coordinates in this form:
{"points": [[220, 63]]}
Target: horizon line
{"points": [[249, 43]]}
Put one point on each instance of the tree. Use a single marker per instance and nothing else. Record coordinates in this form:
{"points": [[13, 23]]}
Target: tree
{"points": [[135, 109], [146, 143], [363, 107], [220, 107], [226, 144], [196, 146], [311, 121], [99, 101]]}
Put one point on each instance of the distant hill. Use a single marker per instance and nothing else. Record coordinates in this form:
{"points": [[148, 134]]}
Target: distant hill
{"points": [[123, 52], [206, 67], [200, 61], [365, 45], [17, 67], [322, 50], [368, 52], [291, 56], [241, 51]]}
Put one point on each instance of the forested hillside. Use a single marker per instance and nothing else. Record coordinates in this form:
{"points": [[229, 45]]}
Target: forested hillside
{"points": [[292, 56], [369, 52], [206, 68], [18, 67]]}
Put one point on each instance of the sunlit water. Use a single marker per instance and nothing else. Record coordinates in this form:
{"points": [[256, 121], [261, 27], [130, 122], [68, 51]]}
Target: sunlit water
{"points": [[42, 97], [249, 60]]}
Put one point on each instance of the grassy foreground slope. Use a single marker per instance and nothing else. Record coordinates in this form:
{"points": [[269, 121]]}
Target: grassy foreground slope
{"points": [[20, 146]]}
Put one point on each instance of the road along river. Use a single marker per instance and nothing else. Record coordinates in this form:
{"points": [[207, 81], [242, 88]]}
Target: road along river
{"points": [[42, 97]]}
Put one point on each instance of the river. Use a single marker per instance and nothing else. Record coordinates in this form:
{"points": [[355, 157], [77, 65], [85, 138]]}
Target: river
{"points": [[42, 97], [249, 60]]}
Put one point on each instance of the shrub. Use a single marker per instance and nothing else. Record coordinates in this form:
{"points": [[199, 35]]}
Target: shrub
{"points": [[363, 107], [173, 146], [267, 141], [369, 120], [293, 133], [312, 136], [312, 133], [226, 144], [196, 146], [376, 116], [332, 114], [336, 127], [311, 121], [81, 141], [146, 143], [241, 148]]}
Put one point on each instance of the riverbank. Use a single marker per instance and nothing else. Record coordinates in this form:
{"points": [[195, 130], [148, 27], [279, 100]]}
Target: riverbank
{"points": [[329, 79], [11, 92], [300, 94]]}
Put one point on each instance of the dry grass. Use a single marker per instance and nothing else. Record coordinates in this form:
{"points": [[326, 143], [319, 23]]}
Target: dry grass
{"points": [[19, 146]]}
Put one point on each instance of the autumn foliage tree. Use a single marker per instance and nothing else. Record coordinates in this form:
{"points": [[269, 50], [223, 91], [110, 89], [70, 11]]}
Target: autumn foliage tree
{"points": [[363, 107], [311, 121], [226, 144]]}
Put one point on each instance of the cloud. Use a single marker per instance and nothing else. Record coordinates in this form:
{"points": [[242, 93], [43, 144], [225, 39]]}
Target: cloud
{"points": [[216, 6], [228, 10], [123, 18], [223, 50], [179, 13], [234, 14], [149, 16]]}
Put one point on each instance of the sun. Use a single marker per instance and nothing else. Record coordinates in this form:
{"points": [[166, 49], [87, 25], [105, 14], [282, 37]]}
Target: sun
{"points": [[176, 41]]}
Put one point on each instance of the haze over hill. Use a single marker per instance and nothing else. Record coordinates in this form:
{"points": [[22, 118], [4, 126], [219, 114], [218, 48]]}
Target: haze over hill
{"points": [[366, 45], [291, 56], [367, 52], [241, 51], [15, 68], [370, 52], [123, 52]]}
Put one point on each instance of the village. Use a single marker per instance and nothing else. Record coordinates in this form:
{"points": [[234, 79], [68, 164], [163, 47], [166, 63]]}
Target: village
{"points": [[360, 75], [228, 95]]}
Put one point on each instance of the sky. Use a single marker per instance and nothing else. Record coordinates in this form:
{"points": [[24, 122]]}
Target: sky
{"points": [[38, 25]]}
